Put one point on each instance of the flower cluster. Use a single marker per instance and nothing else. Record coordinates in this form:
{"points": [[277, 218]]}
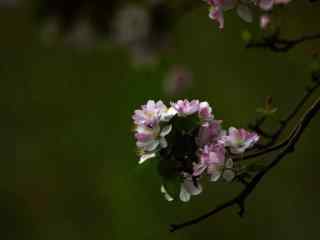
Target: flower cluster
{"points": [[189, 143], [243, 9]]}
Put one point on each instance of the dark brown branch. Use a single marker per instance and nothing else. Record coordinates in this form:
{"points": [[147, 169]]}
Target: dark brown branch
{"points": [[243, 195], [279, 45], [270, 147]]}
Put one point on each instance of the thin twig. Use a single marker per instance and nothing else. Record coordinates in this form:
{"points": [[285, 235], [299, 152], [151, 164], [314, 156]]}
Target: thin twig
{"points": [[284, 123], [280, 45]]}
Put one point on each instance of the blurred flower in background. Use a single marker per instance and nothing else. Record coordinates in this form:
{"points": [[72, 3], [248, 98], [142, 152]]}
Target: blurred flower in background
{"points": [[142, 29], [265, 21], [177, 81], [9, 3], [78, 23], [82, 35]]}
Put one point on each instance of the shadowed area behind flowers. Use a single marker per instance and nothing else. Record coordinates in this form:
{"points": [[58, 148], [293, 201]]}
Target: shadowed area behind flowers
{"points": [[68, 163]]}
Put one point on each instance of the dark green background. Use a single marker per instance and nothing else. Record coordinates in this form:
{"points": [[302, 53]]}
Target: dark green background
{"points": [[68, 168]]}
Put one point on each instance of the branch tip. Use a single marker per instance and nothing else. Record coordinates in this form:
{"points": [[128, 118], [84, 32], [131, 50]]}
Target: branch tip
{"points": [[242, 208]]}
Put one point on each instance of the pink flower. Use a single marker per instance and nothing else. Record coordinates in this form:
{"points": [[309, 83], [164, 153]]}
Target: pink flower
{"points": [[239, 140], [150, 114], [178, 80], [264, 21], [205, 111], [282, 1], [209, 133], [266, 5], [165, 193], [149, 140], [216, 12], [188, 189], [186, 108], [211, 160]]}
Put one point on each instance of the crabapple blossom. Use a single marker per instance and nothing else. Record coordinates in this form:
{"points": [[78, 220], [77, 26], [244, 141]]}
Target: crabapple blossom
{"points": [[189, 144], [216, 12], [244, 8], [188, 189], [186, 108], [239, 140], [205, 111], [148, 140], [211, 160], [264, 21], [149, 135], [267, 5], [209, 133], [150, 114], [165, 193], [217, 7]]}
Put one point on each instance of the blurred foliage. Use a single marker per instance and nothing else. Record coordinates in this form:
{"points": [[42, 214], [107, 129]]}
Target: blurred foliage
{"points": [[68, 167]]}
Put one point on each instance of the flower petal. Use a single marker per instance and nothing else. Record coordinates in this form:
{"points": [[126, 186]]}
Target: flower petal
{"points": [[168, 115], [229, 163], [215, 175], [184, 194], [166, 130], [228, 175], [152, 146], [245, 13], [146, 157], [163, 143], [266, 5], [166, 194]]}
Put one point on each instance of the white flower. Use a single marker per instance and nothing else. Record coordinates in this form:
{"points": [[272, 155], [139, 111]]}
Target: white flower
{"points": [[228, 173], [166, 194], [239, 140], [146, 157], [150, 140], [167, 115], [205, 111], [131, 25], [189, 189], [150, 114], [186, 108]]}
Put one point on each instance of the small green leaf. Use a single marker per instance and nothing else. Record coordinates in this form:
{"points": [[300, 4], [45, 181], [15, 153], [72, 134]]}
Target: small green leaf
{"points": [[246, 36]]}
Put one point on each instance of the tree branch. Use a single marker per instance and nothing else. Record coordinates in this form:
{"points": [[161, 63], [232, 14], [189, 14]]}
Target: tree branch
{"points": [[270, 146], [279, 45], [244, 194]]}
